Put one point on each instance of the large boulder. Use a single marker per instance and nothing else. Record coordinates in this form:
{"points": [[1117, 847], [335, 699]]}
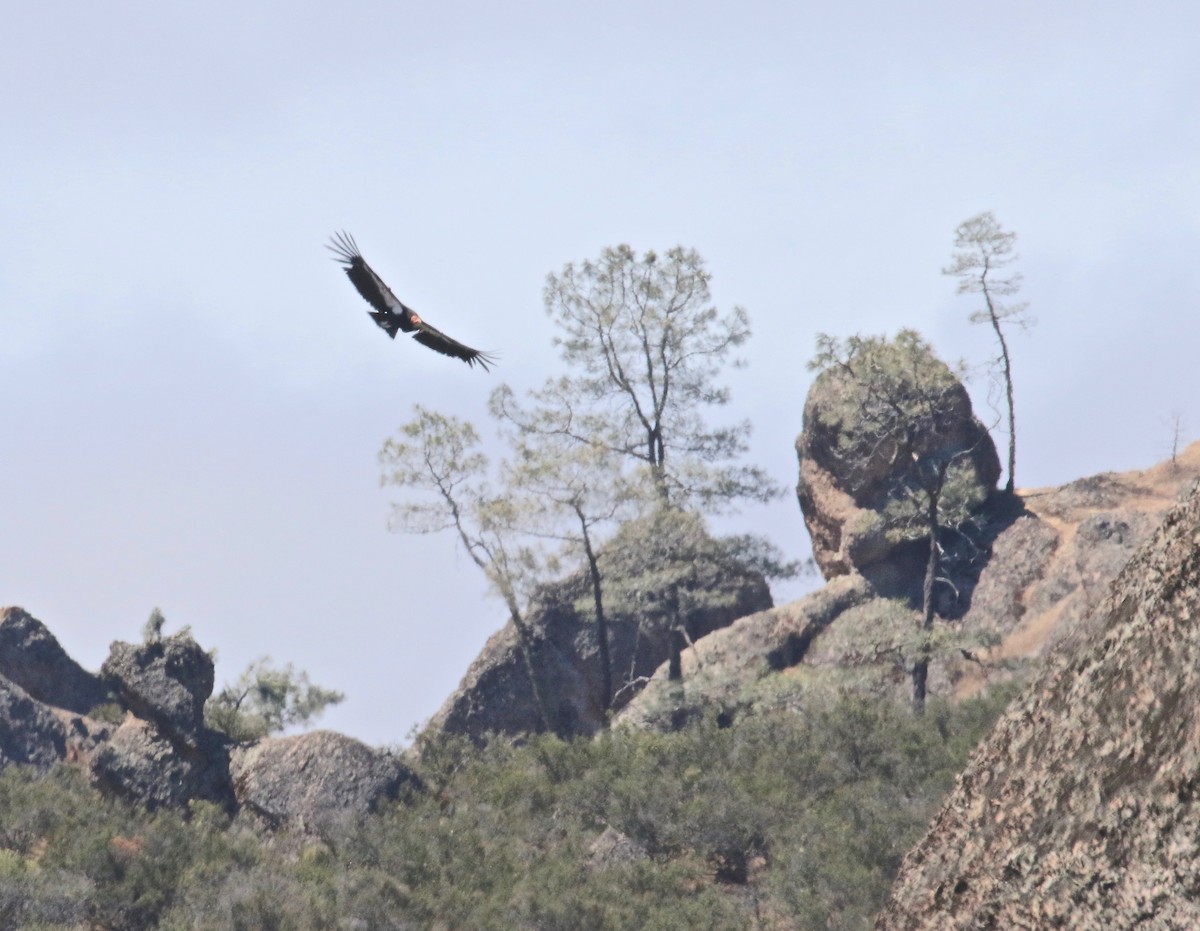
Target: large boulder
{"points": [[850, 471], [32, 658], [166, 681], [735, 669], [648, 586], [1082, 809], [301, 780], [140, 764]]}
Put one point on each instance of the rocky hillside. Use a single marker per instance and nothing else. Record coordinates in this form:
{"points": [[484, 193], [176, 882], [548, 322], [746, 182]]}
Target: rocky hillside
{"points": [[137, 729], [1046, 562], [1080, 810]]}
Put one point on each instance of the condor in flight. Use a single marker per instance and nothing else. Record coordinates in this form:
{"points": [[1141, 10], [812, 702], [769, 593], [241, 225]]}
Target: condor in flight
{"points": [[391, 314]]}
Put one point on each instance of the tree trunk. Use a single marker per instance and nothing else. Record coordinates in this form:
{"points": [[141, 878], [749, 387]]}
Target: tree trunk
{"points": [[525, 643], [1008, 388], [676, 642], [606, 688], [920, 671], [675, 662]]}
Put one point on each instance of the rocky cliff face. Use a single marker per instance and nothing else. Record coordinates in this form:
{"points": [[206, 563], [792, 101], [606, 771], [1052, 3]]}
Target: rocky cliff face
{"points": [[1081, 808], [138, 731]]}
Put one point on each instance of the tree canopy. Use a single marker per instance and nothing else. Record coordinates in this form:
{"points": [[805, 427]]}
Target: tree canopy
{"points": [[643, 347], [985, 251]]}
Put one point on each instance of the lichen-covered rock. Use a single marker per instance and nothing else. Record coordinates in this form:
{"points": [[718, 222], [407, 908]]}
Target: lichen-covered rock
{"points": [[721, 671], [1082, 809], [29, 731], [139, 764], [1048, 557], [32, 658], [165, 681], [299, 781]]}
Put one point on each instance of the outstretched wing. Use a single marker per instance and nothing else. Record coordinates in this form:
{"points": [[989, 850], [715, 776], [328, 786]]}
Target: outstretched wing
{"points": [[392, 314], [389, 311], [438, 341]]}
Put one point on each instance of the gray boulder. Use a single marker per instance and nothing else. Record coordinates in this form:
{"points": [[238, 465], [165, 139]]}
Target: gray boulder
{"points": [[842, 495], [302, 780], [140, 764], [165, 681]]}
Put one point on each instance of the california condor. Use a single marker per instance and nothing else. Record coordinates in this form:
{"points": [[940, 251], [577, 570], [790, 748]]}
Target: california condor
{"points": [[391, 314]]}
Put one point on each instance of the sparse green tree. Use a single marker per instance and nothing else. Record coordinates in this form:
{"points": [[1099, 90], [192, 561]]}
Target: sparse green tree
{"points": [[267, 699], [626, 430], [644, 346], [985, 251], [568, 492], [898, 403], [439, 457], [153, 630]]}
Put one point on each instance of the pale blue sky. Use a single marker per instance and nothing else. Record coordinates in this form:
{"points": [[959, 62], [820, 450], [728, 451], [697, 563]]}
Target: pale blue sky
{"points": [[193, 397]]}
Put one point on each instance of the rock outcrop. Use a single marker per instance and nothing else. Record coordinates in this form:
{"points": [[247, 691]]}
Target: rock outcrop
{"points": [[733, 669], [140, 763], [1049, 562], [29, 732], [161, 754], [32, 658], [166, 681], [1082, 809], [495, 696], [841, 495]]}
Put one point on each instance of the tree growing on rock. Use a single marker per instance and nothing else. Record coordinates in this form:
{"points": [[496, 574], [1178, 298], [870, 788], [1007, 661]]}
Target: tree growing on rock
{"points": [[438, 456], [895, 410], [669, 571], [623, 435], [626, 431], [985, 251], [570, 491]]}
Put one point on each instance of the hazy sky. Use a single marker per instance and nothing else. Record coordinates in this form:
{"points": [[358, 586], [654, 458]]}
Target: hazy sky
{"points": [[192, 397]]}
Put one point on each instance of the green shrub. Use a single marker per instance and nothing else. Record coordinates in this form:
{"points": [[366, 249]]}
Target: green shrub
{"points": [[799, 815]]}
